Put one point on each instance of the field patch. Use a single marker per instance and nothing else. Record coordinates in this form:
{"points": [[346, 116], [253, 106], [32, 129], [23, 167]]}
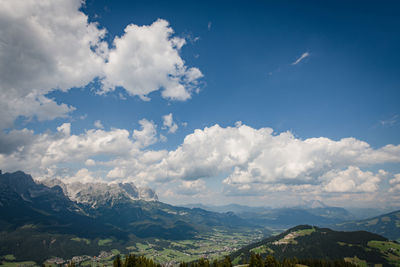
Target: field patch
{"points": [[9, 257], [20, 263], [372, 222], [104, 242], [261, 250], [355, 260], [391, 250], [290, 238], [78, 239]]}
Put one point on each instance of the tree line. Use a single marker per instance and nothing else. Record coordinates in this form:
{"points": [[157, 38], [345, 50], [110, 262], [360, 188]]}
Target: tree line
{"points": [[256, 260], [133, 261]]}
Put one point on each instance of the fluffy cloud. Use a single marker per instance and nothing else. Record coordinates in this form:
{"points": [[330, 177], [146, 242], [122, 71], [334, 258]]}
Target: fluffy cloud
{"points": [[49, 45], [15, 140], [259, 159], [98, 124], [351, 179], [145, 59], [82, 176], [37, 154], [147, 135], [168, 123], [192, 187], [117, 172], [40, 152], [45, 45], [248, 161], [90, 162], [395, 183], [259, 156]]}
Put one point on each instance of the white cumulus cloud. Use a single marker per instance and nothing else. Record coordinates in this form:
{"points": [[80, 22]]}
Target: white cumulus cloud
{"points": [[249, 158], [192, 187], [395, 183], [45, 45], [98, 124], [90, 162], [83, 176], [147, 135], [244, 160], [146, 59], [351, 179], [50, 45], [168, 123]]}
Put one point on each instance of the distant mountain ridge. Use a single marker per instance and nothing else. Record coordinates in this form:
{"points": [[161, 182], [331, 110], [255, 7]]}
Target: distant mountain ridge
{"points": [[313, 212]]}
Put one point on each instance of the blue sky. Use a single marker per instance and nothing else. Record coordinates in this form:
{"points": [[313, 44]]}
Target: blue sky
{"points": [[324, 76]]}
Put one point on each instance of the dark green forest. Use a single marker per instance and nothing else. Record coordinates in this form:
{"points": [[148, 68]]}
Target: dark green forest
{"points": [[256, 260]]}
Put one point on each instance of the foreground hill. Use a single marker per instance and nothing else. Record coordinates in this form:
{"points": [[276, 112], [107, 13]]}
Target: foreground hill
{"points": [[322, 243], [387, 225]]}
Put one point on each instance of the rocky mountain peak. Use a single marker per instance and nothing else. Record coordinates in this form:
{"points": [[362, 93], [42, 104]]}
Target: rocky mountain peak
{"points": [[103, 194]]}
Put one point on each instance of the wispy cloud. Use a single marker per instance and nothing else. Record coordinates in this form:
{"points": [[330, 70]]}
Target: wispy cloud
{"points": [[303, 56], [98, 124], [209, 25], [390, 122]]}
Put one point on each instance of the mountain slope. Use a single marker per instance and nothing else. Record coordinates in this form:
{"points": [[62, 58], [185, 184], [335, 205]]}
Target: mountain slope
{"points": [[387, 225], [24, 202], [312, 242]]}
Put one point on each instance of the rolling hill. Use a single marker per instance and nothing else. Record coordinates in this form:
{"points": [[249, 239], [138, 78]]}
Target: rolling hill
{"points": [[387, 225], [310, 242]]}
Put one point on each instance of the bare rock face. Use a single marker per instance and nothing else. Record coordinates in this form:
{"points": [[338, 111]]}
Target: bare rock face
{"points": [[100, 194]]}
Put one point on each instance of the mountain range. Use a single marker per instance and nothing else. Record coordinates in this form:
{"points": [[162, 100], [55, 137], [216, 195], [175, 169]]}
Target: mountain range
{"points": [[35, 216], [314, 213], [39, 219], [102, 194]]}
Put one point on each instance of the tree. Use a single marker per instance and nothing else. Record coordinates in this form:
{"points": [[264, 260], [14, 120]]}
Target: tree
{"points": [[227, 262], [117, 261], [256, 260], [270, 261]]}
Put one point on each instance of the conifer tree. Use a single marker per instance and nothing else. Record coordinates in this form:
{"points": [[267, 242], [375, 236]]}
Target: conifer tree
{"points": [[117, 261], [227, 262]]}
